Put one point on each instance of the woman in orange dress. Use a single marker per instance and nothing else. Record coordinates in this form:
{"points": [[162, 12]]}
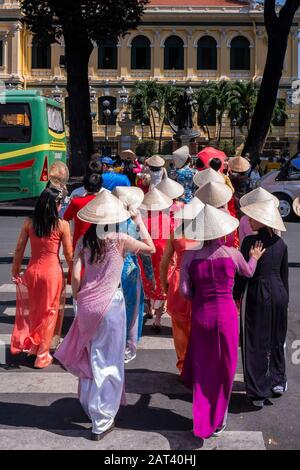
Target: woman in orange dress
{"points": [[178, 307], [40, 290]]}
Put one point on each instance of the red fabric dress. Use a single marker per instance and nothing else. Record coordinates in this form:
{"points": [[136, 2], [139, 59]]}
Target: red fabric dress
{"points": [[40, 293], [80, 227], [159, 226]]}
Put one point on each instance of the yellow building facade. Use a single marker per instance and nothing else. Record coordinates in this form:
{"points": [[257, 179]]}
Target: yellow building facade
{"points": [[184, 45]]}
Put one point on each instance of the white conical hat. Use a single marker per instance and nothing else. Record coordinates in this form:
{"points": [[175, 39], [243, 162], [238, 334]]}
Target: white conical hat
{"points": [[128, 155], [296, 206], [205, 176], [58, 173], [214, 194], [155, 160], [131, 196], [104, 209], [238, 164], [190, 211], [210, 224], [180, 156], [155, 200], [258, 195], [266, 213], [170, 188]]}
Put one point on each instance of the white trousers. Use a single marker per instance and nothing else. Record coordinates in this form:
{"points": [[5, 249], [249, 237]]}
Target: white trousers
{"points": [[100, 397]]}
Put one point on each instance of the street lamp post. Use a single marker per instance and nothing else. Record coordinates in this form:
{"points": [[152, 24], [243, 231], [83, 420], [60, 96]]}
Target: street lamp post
{"points": [[143, 127], [107, 113], [234, 123]]}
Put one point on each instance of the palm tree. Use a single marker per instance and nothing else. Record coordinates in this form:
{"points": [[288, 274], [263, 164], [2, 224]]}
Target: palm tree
{"points": [[168, 98], [206, 104], [279, 113], [144, 101], [241, 102], [220, 100]]}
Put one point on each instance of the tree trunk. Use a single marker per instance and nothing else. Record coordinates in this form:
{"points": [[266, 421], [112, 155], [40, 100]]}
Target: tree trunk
{"points": [[161, 134], [278, 29], [154, 124], [81, 133]]}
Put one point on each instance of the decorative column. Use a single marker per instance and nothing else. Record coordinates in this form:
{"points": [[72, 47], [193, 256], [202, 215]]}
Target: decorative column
{"points": [[191, 54], [157, 53], [16, 66], [224, 55]]}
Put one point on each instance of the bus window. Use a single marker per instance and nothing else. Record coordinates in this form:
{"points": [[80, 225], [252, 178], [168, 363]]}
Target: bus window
{"points": [[55, 119], [15, 123]]}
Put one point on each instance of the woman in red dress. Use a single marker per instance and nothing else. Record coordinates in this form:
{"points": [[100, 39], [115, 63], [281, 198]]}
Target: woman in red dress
{"points": [[158, 224], [40, 290]]}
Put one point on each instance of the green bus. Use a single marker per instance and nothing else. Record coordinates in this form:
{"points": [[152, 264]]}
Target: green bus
{"points": [[32, 137]]}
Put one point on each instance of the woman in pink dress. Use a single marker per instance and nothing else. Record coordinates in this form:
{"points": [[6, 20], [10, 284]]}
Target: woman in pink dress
{"points": [[207, 278], [40, 291], [94, 347]]}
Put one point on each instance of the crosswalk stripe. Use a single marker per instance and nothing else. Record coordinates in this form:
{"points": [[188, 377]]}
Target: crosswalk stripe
{"points": [[146, 342], [63, 382], [11, 312], [11, 288], [126, 439]]}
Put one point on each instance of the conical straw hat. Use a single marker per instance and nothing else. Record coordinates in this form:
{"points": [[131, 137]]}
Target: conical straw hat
{"points": [[58, 173], [210, 224], [170, 188], [266, 213], [214, 194], [190, 211], [258, 195], [155, 200], [104, 209], [238, 164], [155, 160], [131, 197], [180, 156], [296, 206], [205, 176], [128, 155]]}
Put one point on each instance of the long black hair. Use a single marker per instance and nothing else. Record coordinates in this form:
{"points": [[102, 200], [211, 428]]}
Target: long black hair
{"points": [[96, 245], [45, 217]]}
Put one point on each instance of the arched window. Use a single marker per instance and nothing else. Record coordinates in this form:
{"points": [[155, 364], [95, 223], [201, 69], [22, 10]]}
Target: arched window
{"points": [[1, 53], [207, 53], [41, 55], [174, 53], [240, 53], [140, 53], [108, 55], [112, 119]]}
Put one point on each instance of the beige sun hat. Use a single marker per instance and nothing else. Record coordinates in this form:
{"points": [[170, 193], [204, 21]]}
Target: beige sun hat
{"points": [[203, 177], [155, 160], [58, 173], [258, 195], [210, 224], [296, 206], [180, 156], [128, 155], [104, 209], [131, 196], [214, 194], [170, 188], [266, 213], [238, 164], [190, 211], [155, 200]]}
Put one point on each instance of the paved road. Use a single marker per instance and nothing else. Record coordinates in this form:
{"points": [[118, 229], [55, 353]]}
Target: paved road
{"points": [[39, 408]]}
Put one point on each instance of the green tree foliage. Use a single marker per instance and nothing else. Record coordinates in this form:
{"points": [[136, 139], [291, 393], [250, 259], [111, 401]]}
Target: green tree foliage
{"points": [[81, 23]]}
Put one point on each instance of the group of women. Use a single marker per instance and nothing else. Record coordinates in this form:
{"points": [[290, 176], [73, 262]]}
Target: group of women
{"points": [[177, 245]]}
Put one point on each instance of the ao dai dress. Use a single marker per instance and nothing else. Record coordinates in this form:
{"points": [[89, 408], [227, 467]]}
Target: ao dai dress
{"points": [[207, 278]]}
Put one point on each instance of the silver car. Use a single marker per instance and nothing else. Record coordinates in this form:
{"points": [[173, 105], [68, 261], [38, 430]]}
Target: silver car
{"points": [[285, 184]]}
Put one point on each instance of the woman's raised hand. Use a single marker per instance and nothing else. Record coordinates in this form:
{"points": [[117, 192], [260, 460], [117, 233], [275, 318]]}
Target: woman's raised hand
{"points": [[257, 250]]}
